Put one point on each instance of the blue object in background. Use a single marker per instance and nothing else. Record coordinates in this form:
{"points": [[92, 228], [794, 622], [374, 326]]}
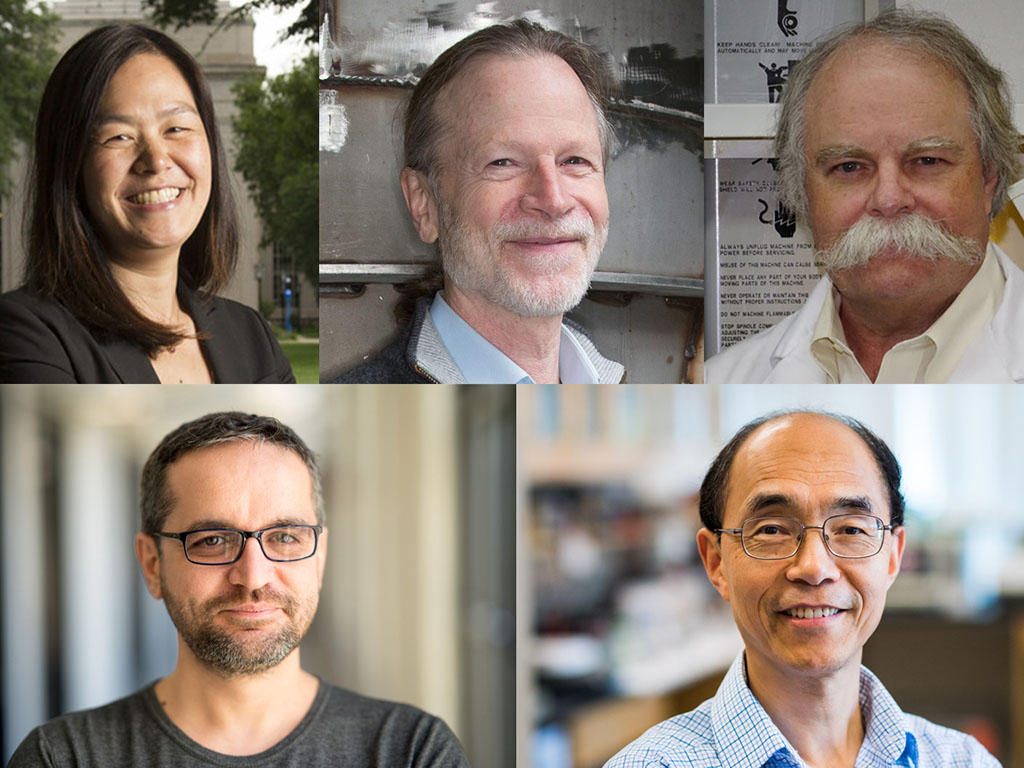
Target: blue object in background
{"points": [[288, 304], [550, 747]]}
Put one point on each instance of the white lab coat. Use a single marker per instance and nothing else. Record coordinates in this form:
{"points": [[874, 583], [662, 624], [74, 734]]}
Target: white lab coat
{"points": [[782, 354]]}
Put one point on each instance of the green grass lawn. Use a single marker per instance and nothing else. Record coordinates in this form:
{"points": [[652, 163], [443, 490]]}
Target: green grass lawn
{"points": [[305, 360]]}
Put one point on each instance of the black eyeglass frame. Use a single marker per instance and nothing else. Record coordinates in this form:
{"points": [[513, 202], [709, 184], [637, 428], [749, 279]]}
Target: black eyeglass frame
{"points": [[246, 535], [803, 530]]}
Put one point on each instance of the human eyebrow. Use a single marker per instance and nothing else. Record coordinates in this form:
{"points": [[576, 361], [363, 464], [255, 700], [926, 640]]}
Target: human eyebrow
{"points": [[209, 523], [212, 523], [858, 503], [762, 501], [108, 119], [507, 142], [288, 521], [497, 148], [827, 154], [932, 143], [176, 108], [513, 146]]}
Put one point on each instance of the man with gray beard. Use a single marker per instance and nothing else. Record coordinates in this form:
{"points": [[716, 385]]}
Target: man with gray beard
{"points": [[233, 540], [506, 142], [895, 146]]}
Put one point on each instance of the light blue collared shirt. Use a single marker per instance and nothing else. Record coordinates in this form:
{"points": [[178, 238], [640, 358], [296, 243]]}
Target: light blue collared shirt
{"points": [[483, 363], [732, 730]]}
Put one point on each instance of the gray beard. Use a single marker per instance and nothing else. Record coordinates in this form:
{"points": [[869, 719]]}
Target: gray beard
{"points": [[461, 256], [912, 234]]}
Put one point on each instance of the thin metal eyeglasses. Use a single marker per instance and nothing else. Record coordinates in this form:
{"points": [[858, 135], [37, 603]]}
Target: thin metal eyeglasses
{"points": [[223, 546], [778, 538]]}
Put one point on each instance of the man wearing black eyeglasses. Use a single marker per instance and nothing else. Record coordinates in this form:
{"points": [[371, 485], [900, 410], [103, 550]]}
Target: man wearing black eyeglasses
{"points": [[803, 535], [233, 541]]}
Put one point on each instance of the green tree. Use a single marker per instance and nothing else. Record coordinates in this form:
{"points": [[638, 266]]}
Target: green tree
{"points": [[26, 59], [276, 135], [183, 13]]}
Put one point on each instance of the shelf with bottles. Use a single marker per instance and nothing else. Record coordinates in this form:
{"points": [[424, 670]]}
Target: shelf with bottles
{"points": [[622, 605]]}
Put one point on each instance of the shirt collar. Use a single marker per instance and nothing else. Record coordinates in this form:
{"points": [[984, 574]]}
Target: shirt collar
{"points": [[928, 358], [745, 734], [966, 316], [828, 342], [483, 363], [886, 738]]}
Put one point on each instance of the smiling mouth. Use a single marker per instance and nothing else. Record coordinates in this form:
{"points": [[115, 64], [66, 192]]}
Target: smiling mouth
{"points": [[253, 607], [544, 242], [811, 613], [153, 196], [251, 614]]}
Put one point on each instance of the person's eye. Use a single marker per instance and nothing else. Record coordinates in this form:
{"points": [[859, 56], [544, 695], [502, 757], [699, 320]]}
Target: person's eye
{"points": [[582, 164], [213, 540], [284, 537], [501, 162], [115, 139], [929, 161], [849, 166]]}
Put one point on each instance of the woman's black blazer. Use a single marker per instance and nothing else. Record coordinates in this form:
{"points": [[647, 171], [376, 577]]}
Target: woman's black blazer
{"points": [[42, 342]]}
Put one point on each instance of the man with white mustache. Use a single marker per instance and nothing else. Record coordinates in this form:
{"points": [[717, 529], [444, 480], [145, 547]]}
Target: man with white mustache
{"points": [[802, 533], [896, 146], [506, 142]]}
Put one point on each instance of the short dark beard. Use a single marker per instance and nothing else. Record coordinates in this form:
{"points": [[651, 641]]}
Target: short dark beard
{"points": [[227, 653]]}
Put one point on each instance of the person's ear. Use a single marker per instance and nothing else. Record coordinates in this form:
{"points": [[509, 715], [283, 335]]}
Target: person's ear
{"points": [[419, 199], [149, 559], [710, 548], [899, 539], [321, 553]]}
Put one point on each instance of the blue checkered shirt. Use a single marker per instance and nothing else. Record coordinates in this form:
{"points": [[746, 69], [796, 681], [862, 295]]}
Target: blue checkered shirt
{"points": [[732, 730]]}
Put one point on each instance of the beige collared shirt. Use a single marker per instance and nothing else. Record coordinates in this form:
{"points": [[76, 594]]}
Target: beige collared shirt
{"points": [[926, 359]]}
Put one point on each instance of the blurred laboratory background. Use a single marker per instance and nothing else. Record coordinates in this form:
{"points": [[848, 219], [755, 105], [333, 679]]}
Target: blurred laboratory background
{"points": [[417, 603], [619, 628]]}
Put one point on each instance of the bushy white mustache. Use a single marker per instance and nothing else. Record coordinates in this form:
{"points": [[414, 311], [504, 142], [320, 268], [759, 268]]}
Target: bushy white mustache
{"points": [[912, 234]]}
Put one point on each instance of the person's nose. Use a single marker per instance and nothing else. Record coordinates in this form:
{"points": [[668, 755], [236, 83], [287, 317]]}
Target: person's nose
{"points": [[252, 570], [891, 193], [546, 192], [153, 157], [813, 563]]}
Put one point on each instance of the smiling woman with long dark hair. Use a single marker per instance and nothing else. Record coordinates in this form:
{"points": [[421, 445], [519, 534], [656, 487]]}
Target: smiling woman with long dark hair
{"points": [[132, 229]]}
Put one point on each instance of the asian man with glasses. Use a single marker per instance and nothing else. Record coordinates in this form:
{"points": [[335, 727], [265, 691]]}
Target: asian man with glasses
{"points": [[803, 535], [233, 541]]}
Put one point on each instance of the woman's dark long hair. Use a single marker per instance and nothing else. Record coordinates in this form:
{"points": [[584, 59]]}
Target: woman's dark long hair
{"points": [[66, 259]]}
